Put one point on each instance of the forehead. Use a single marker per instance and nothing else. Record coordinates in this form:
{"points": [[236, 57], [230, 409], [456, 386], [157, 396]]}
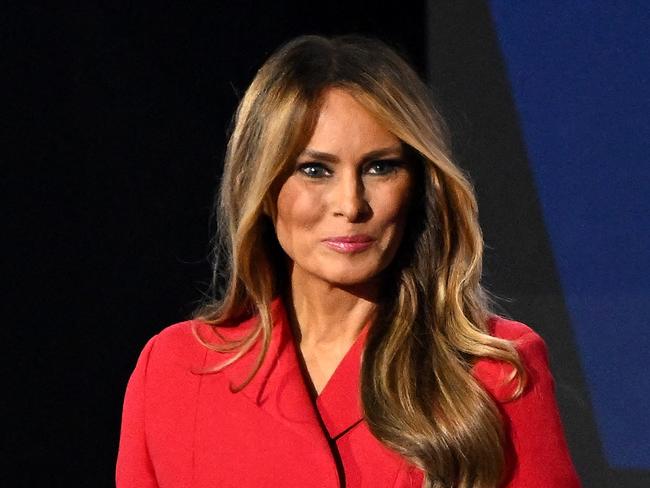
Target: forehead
{"points": [[343, 122]]}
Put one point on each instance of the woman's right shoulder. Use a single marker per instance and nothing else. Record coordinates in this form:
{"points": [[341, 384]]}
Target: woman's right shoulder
{"points": [[174, 345], [180, 345], [179, 338]]}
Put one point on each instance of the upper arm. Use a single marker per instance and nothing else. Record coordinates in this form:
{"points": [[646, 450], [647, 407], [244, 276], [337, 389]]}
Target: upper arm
{"points": [[539, 453], [134, 467]]}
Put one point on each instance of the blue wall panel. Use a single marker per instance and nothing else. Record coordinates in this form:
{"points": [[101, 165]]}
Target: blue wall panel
{"points": [[580, 76]]}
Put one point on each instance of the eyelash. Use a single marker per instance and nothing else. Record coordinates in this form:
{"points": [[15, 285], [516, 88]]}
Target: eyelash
{"points": [[305, 167], [392, 166]]}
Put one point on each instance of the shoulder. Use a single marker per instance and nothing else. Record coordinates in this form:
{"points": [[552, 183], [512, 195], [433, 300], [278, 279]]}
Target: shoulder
{"points": [[538, 453], [167, 375], [177, 340], [179, 347], [508, 329], [528, 343], [494, 374], [174, 349]]}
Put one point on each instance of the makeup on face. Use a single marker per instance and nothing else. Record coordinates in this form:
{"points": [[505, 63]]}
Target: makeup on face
{"points": [[341, 213]]}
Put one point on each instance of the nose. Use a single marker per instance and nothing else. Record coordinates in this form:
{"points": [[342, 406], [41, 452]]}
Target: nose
{"points": [[350, 198]]}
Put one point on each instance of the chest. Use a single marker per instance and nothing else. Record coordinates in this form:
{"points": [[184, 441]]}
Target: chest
{"points": [[204, 435]]}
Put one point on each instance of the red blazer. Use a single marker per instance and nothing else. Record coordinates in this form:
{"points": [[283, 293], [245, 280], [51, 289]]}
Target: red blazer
{"points": [[184, 429]]}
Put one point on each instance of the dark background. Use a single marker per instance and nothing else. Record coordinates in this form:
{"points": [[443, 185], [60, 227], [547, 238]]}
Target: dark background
{"points": [[116, 117]]}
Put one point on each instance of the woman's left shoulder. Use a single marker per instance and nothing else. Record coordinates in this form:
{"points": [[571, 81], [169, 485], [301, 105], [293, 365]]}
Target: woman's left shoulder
{"points": [[509, 329], [538, 453], [494, 374], [529, 344]]}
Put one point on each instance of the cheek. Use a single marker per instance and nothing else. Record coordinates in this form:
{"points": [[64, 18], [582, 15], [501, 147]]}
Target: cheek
{"points": [[298, 212], [393, 204]]}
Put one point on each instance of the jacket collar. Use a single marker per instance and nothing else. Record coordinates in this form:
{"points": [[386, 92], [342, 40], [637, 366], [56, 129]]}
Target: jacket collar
{"points": [[339, 403], [279, 386]]}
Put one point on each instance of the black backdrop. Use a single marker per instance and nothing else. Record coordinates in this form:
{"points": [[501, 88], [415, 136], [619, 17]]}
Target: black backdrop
{"points": [[116, 119]]}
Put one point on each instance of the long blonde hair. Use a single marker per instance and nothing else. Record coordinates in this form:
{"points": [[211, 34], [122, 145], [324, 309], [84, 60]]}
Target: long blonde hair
{"points": [[418, 393]]}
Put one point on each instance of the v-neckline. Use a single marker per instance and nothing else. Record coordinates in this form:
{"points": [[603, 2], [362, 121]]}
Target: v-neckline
{"points": [[353, 350], [341, 368], [338, 405], [282, 388], [339, 402]]}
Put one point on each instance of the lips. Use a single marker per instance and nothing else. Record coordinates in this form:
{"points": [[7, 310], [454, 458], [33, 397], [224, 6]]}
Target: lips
{"points": [[349, 244]]}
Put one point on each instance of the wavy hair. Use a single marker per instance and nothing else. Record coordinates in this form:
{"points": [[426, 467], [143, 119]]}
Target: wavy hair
{"points": [[418, 393]]}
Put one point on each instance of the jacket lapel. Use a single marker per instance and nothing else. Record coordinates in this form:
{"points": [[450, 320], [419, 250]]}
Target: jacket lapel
{"points": [[339, 403], [280, 389]]}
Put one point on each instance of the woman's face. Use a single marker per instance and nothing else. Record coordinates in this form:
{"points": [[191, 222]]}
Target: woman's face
{"points": [[342, 212]]}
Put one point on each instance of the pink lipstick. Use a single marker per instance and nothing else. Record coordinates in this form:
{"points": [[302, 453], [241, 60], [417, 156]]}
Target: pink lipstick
{"points": [[349, 244]]}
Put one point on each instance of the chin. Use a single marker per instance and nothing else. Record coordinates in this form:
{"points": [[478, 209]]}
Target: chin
{"points": [[348, 281], [350, 275]]}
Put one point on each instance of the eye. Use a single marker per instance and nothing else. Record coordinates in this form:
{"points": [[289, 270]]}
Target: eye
{"points": [[314, 170], [383, 166]]}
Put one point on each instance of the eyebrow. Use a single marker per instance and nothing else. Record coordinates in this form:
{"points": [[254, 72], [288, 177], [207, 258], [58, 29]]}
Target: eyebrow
{"points": [[369, 156]]}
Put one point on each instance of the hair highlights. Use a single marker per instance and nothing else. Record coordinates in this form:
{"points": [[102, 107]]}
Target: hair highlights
{"points": [[417, 389]]}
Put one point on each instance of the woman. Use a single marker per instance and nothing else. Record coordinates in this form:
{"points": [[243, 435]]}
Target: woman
{"points": [[353, 345]]}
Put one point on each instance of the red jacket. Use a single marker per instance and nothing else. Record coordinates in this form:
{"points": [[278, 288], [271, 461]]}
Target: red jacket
{"points": [[185, 429]]}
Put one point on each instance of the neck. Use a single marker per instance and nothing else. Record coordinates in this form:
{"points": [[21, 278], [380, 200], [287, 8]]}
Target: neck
{"points": [[324, 314]]}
